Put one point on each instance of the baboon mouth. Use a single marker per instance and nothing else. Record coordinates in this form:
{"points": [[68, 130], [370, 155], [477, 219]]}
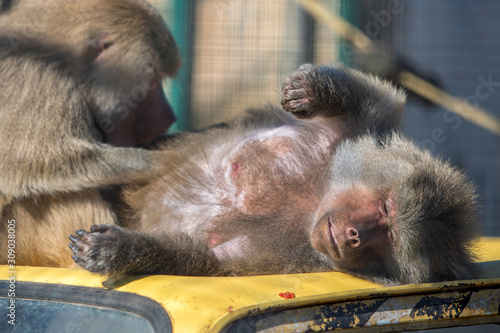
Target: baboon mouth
{"points": [[333, 239]]}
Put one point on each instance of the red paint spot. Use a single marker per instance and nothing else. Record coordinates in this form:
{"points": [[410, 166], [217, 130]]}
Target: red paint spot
{"points": [[230, 309], [287, 295]]}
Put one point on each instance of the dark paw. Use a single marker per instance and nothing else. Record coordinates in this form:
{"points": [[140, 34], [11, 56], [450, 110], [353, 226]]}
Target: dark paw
{"points": [[313, 91], [96, 249], [298, 93]]}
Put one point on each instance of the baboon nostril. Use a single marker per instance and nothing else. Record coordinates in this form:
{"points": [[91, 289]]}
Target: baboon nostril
{"points": [[351, 232], [353, 237]]}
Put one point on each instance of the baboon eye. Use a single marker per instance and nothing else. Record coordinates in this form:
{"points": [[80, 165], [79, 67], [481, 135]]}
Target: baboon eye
{"points": [[387, 207], [107, 44], [391, 235]]}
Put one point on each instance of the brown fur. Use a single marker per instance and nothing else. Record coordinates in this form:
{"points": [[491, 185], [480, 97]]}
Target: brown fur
{"points": [[77, 80], [339, 190]]}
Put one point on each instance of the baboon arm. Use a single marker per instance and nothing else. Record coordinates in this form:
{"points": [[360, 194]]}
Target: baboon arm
{"points": [[75, 167], [113, 251], [361, 102]]}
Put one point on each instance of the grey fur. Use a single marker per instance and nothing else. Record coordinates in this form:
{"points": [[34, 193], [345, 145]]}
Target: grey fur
{"points": [[262, 180]]}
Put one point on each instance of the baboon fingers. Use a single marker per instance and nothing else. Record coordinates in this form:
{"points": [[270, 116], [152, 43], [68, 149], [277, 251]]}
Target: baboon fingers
{"points": [[78, 246], [105, 229], [296, 98]]}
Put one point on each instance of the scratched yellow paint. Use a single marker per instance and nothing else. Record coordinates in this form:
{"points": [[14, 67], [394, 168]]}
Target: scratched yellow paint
{"points": [[201, 304], [468, 305]]}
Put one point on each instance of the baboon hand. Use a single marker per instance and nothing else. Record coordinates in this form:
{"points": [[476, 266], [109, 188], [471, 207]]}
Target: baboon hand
{"points": [[95, 250], [298, 93], [313, 91]]}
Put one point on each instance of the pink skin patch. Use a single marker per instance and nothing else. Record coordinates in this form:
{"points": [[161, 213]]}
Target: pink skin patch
{"points": [[215, 239], [235, 170]]}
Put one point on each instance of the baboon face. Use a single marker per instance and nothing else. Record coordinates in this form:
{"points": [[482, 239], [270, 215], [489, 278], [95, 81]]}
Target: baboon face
{"points": [[117, 53], [127, 62], [354, 227]]}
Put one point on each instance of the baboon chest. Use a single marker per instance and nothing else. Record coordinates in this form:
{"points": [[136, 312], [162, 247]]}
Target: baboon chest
{"points": [[268, 175]]}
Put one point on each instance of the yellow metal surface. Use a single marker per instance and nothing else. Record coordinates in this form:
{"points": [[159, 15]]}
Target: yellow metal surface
{"points": [[488, 249], [195, 304], [202, 304]]}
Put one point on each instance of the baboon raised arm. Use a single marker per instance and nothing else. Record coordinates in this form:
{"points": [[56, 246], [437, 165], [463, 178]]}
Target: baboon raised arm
{"points": [[80, 90], [340, 190]]}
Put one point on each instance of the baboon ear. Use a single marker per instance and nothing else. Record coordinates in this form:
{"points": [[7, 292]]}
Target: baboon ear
{"points": [[98, 44]]}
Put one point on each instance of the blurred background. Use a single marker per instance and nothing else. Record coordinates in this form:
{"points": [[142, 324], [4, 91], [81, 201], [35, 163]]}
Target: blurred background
{"points": [[236, 54]]}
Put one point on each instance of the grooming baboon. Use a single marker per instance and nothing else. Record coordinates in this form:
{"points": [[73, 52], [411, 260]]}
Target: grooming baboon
{"points": [[340, 190], [77, 80]]}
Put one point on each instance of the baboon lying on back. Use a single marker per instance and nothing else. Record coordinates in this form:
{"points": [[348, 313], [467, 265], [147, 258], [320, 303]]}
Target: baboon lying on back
{"points": [[339, 189]]}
